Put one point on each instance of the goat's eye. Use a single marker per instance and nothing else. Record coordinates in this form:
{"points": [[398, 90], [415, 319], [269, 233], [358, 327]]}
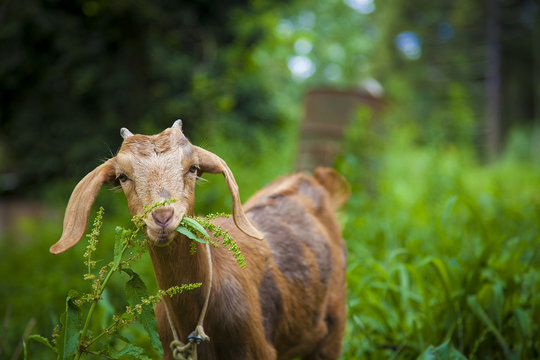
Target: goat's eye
{"points": [[122, 177], [193, 169]]}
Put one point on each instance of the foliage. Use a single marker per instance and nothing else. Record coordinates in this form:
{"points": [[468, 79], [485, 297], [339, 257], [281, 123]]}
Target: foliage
{"points": [[190, 227], [217, 232], [73, 337], [446, 46], [441, 250], [78, 70], [82, 69]]}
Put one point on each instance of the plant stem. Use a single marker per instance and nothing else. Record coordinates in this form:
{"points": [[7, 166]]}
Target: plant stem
{"points": [[94, 304], [85, 328], [96, 338]]}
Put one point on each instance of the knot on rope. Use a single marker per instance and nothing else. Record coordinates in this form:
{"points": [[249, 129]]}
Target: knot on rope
{"points": [[183, 351]]}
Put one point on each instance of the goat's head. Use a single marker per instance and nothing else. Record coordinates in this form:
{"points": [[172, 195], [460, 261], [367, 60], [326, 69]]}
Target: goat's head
{"points": [[150, 169]]}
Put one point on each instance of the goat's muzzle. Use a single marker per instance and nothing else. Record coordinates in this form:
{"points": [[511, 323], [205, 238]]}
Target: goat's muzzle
{"points": [[163, 216], [161, 225], [160, 237]]}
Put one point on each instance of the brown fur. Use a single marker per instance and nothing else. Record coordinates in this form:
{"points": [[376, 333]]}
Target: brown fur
{"points": [[288, 302]]}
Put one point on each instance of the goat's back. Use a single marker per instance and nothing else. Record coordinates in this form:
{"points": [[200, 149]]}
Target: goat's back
{"points": [[296, 214]]}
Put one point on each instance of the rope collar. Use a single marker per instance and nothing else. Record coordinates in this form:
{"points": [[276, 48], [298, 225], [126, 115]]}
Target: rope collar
{"points": [[188, 351]]}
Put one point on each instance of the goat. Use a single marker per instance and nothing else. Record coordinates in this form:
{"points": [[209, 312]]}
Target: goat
{"points": [[288, 302]]}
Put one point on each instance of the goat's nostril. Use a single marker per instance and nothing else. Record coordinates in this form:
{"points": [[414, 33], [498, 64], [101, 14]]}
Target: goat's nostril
{"points": [[163, 217]]}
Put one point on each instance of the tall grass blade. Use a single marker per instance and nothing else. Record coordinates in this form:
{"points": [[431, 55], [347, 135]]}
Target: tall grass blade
{"points": [[479, 312], [444, 351]]}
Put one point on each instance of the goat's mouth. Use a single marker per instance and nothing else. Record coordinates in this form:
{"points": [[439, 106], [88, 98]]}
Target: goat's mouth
{"points": [[160, 237]]}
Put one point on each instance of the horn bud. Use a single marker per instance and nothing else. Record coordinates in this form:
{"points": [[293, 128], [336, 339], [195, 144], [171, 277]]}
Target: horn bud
{"points": [[125, 133], [178, 124]]}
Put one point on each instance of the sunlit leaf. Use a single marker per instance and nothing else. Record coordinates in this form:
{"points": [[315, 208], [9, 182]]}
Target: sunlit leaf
{"points": [[183, 230], [195, 225]]}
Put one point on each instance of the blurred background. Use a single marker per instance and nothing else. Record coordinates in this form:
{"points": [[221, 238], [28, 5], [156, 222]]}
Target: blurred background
{"points": [[431, 109]]}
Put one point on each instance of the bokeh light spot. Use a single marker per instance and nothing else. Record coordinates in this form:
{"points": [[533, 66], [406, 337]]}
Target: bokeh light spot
{"points": [[301, 67], [409, 44]]}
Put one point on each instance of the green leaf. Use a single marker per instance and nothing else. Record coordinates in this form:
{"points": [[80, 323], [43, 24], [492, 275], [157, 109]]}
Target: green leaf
{"points": [[194, 224], [38, 338], [60, 337], [183, 230], [523, 322], [448, 208], [130, 352], [118, 245], [135, 290], [72, 326], [445, 351]]}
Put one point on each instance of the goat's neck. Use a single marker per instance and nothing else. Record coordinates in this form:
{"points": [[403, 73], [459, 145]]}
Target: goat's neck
{"points": [[174, 265]]}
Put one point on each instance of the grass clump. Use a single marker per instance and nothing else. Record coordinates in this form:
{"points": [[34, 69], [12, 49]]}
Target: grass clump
{"points": [[443, 253]]}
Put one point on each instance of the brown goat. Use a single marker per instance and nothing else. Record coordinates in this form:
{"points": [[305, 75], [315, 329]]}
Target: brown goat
{"points": [[288, 302]]}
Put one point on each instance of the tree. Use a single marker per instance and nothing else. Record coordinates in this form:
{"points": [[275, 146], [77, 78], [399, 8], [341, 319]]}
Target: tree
{"points": [[429, 48], [73, 73]]}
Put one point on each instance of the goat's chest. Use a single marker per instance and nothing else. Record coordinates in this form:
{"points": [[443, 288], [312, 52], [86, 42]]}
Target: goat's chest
{"points": [[228, 310]]}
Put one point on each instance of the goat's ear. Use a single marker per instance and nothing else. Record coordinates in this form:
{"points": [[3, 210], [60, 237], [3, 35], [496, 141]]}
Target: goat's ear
{"points": [[213, 164], [80, 202]]}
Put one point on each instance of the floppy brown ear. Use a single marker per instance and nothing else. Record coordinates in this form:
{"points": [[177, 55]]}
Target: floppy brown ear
{"points": [[80, 202], [213, 164]]}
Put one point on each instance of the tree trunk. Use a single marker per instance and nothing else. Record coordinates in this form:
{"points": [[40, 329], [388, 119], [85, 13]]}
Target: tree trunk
{"points": [[493, 80]]}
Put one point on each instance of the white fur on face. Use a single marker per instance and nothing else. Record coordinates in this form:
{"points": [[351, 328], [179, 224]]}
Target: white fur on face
{"points": [[158, 168]]}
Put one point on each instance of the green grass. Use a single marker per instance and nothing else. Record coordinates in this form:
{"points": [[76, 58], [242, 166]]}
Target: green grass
{"points": [[441, 249]]}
